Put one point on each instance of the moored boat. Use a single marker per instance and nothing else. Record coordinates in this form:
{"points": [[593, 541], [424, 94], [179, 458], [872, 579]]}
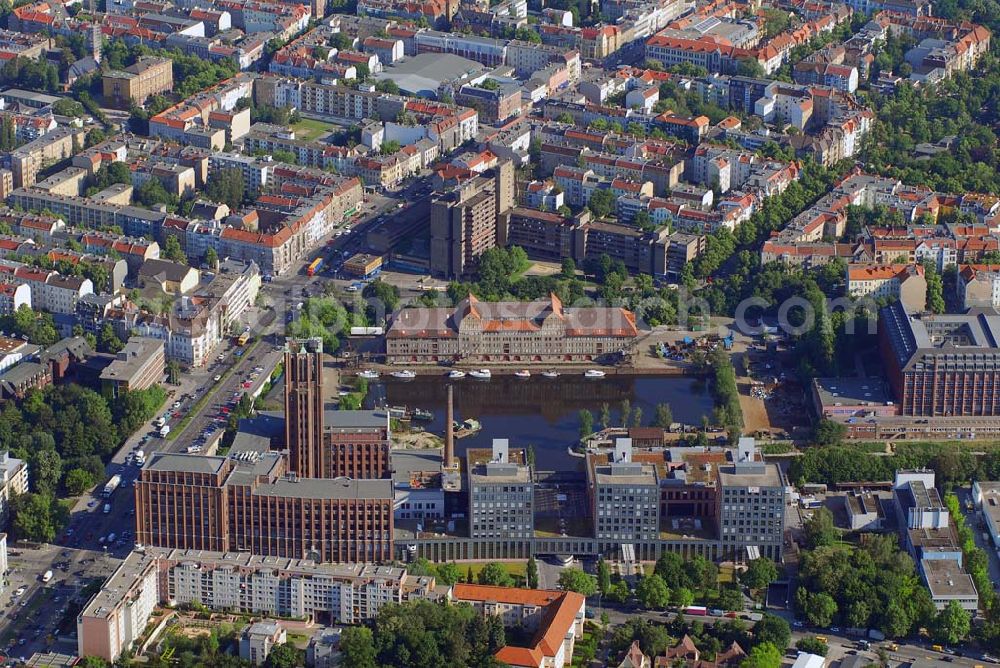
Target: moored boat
{"points": [[481, 374], [593, 373]]}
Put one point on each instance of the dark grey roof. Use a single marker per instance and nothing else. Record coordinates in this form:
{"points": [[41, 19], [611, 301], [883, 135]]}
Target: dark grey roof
{"points": [[337, 488], [355, 419], [172, 461]]}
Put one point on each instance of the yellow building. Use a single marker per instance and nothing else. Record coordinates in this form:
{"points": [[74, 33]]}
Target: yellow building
{"points": [[138, 82]]}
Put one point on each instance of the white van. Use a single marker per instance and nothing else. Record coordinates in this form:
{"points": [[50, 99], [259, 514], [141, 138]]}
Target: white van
{"points": [[47, 576], [164, 430], [159, 422]]}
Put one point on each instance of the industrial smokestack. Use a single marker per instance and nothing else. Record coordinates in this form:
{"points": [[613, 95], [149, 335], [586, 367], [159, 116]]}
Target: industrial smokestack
{"points": [[449, 430]]}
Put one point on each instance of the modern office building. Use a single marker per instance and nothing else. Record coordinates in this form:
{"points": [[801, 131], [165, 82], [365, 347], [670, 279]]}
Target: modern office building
{"points": [[751, 506], [501, 493], [945, 365], [539, 331], [624, 496]]}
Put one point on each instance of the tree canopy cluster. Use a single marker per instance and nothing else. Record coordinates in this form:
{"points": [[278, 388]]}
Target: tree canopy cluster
{"points": [[873, 586], [423, 634], [65, 432]]}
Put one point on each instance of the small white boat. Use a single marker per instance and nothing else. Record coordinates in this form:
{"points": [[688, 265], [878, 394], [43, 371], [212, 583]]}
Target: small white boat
{"points": [[404, 373], [550, 374], [481, 374], [456, 373], [369, 374], [523, 373], [593, 373]]}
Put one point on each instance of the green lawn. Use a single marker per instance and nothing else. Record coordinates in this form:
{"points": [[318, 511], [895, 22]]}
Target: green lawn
{"points": [[307, 129], [515, 568]]}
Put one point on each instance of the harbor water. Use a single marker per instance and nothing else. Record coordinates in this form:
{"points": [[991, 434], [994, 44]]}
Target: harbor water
{"points": [[542, 412]]}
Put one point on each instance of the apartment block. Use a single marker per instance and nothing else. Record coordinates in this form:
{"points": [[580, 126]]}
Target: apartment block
{"points": [[464, 222], [13, 482], [47, 150], [139, 365], [117, 615], [239, 582]]}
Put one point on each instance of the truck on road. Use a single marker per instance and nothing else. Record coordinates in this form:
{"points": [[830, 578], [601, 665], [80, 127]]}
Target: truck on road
{"points": [[140, 457], [47, 576], [314, 267], [112, 485]]}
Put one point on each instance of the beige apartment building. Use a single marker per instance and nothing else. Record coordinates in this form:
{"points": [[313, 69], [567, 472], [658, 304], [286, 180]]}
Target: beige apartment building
{"points": [[138, 82]]}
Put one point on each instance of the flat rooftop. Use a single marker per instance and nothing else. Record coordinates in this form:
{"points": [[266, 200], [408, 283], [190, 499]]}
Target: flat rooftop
{"points": [[125, 578], [852, 391], [990, 500], [173, 461], [337, 488], [946, 579], [424, 73], [766, 476], [355, 420]]}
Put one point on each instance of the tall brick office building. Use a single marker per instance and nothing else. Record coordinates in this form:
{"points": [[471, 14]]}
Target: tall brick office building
{"points": [[942, 365], [329, 497]]}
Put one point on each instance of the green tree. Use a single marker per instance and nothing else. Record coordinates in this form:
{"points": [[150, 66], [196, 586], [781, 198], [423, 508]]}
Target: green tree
{"points": [[774, 630], [77, 481], [952, 624], [603, 575], [46, 468], [172, 250], [448, 573], [37, 517], [812, 645], [565, 117], [285, 656], [664, 416], [226, 186], [605, 416], [764, 655], [531, 573], [568, 268], [829, 432], [682, 597], [601, 203], [574, 579], [173, 372], [819, 529], [495, 574], [357, 647], [760, 573], [637, 416], [619, 592], [211, 257], [586, 423], [652, 592], [820, 609], [108, 341]]}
